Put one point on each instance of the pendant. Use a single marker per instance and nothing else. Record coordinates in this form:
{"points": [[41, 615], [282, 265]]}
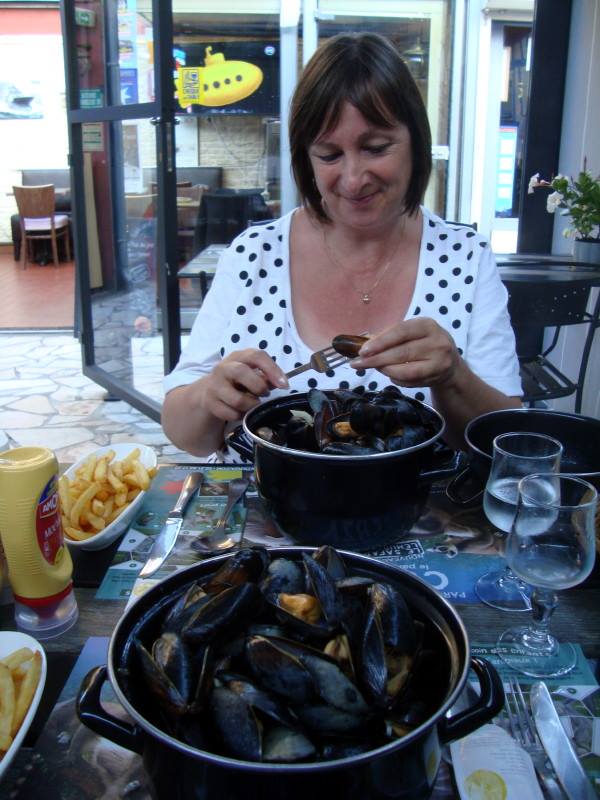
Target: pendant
{"points": [[366, 298]]}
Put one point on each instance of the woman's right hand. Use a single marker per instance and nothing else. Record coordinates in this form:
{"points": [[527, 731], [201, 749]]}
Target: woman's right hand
{"points": [[237, 383]]}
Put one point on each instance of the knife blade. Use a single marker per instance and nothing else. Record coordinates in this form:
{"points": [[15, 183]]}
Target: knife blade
{"points": [[164, 542], [558, 746]]}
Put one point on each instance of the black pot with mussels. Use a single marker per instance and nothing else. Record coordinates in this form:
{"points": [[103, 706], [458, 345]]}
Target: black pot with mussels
{"points": [[290, 674], [352, 470]]}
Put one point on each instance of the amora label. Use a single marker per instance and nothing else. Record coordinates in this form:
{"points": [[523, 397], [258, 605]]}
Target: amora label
{"points": [[47, 523]]}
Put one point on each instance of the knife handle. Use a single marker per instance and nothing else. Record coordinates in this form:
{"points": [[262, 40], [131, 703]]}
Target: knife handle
{"points": [[190, 484]]}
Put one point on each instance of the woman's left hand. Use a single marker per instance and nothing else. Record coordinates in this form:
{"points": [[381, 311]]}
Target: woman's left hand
{"points": [[415, 352]]}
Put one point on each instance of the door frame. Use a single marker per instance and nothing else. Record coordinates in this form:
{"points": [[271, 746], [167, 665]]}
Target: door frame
{"points": [[161, 112]]}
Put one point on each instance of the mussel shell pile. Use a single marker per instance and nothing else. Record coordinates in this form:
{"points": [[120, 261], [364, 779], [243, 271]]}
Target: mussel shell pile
{"points": [[286, 660], [351, 423]]}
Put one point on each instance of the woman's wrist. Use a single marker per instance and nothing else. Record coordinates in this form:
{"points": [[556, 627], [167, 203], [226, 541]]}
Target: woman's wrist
{"points": [[458, 376], [187, 422]]}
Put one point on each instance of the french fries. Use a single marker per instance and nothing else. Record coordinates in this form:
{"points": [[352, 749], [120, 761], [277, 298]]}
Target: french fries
{"points": [[100, 491], [19, 677]]}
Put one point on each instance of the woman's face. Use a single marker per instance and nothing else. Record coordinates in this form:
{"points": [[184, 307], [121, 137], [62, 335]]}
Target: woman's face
{"points": [[362, 171]]}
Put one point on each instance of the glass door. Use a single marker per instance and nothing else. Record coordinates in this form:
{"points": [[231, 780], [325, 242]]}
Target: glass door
{"points": [[178, 116], [422, 31], [227, 87], [120, 107]]}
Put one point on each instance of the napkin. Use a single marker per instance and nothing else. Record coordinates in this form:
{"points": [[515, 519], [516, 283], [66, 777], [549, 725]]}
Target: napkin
{"points": [[490, 765]]}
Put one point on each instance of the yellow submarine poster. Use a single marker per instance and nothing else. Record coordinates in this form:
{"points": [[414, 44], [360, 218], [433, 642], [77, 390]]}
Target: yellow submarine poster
{"points": [[218, 83]]}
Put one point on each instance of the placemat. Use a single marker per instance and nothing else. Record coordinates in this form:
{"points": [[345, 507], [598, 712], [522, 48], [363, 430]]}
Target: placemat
{"points": [[89, 566], [449, 546]]}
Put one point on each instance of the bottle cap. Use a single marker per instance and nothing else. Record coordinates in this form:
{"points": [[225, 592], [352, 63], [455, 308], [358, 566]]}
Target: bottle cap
{"points": [[44, 621]]}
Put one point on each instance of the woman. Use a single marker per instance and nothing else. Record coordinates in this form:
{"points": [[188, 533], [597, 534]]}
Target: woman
{"points": [[360, 254]]}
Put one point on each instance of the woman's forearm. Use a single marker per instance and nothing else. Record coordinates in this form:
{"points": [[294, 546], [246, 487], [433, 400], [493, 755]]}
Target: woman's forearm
{"points": [[464, 397], [187, 424]]}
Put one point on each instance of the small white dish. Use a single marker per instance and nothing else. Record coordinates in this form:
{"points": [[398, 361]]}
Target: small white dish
{"points": [[9, 642], [107, 536]]}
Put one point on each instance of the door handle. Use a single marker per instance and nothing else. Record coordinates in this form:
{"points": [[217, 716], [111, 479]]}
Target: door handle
{"points": [[169, 145]]}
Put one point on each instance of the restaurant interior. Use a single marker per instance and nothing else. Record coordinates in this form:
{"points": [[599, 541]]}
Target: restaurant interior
{"points": [[230, 166], [378, 626]]}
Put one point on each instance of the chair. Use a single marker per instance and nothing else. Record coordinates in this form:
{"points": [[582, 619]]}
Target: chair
{"points": [[222, 217], [535, 306], [225, 213], [39, 221], [188, 209]]}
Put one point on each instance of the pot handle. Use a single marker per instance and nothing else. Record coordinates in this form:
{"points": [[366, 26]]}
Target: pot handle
{"points": [[489, 703], [94, 716], [446, 469], [239, 441], [455, 487]]}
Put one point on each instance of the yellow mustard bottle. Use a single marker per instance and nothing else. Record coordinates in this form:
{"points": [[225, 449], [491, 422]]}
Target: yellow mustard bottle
{"points": [[39, 564]]}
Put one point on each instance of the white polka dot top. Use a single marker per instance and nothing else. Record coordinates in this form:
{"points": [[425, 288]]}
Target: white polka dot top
{"points": [[249, 305]]}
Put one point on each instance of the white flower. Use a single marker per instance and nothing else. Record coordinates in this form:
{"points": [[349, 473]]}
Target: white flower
{"points": [[553, 201], [534, 181]]}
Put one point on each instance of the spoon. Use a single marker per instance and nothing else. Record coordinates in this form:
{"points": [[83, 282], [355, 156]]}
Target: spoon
{"points": [[217, 542]]}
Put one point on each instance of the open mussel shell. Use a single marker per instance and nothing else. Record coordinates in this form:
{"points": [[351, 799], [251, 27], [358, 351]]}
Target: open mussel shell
{"points": [[259, 695], [349, 424], [246, 565]]}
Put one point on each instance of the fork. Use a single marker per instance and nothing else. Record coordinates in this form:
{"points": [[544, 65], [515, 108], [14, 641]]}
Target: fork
{"points": [[523, 731], [321, 361], [217, 542]]}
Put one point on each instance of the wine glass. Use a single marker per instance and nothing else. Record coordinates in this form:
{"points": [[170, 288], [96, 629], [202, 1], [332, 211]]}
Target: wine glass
{"points": [[552, 545], [514, 456]]}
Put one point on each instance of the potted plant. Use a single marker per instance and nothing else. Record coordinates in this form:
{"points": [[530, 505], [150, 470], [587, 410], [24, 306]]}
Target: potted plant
{"points": [[579, 199]]}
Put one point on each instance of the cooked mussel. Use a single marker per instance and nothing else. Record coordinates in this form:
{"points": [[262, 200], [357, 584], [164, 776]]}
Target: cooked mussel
{"points": [[353, 423], [347, 344], [285, 661]]}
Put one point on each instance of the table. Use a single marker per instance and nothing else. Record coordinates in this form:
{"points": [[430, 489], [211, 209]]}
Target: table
{"points": [[549, 292], [576, 619]]}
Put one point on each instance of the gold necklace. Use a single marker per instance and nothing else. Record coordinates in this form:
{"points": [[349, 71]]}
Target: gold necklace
{"points": [[365, 296]]}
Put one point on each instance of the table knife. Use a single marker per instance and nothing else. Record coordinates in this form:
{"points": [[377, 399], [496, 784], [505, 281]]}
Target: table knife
{"points": [[558, 746], [164, 542]]}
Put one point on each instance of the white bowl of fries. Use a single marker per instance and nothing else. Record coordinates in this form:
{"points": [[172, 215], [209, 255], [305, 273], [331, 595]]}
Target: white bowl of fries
{"points": [[101, 493], [22, 679]]}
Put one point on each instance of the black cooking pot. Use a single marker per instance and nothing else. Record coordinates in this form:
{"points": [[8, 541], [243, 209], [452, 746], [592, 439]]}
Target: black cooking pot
{"points": [[350, 502], [404, 769], [579, 436]]}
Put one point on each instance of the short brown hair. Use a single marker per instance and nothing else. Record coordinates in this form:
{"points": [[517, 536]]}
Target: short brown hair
{"points": [[366, 70]]}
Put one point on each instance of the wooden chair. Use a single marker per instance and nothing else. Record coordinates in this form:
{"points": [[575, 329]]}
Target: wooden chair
{"points": [[38, 220]]}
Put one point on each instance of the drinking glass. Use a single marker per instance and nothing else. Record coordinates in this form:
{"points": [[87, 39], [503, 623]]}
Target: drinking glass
{"points": [[552, 545], [514, 456]]}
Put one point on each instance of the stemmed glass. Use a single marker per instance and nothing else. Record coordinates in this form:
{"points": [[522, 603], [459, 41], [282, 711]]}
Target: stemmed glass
{"points": [[514, 456], [552, 546]]}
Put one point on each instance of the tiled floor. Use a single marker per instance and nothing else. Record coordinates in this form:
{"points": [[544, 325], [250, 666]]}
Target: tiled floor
{"points": [[38, 297], [45, 400]]}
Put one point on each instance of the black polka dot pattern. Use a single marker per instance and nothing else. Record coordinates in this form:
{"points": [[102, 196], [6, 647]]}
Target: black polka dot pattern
{"points": [[257, 290]]}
